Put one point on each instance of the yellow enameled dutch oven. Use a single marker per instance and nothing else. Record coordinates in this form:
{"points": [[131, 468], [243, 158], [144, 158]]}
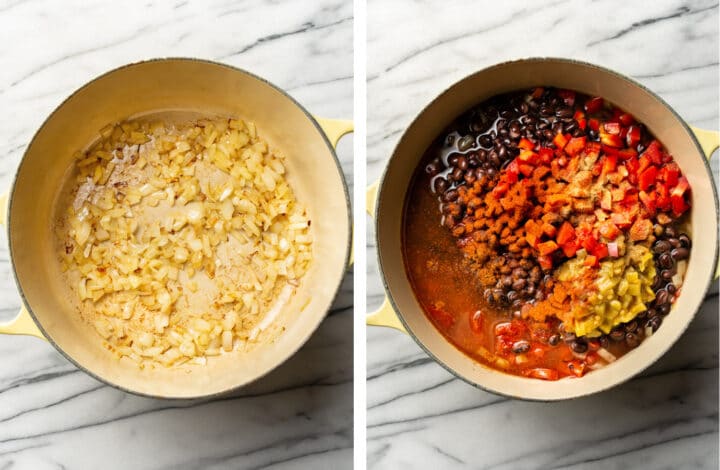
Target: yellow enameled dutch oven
{"points": [[691, 148], [196, 86]]}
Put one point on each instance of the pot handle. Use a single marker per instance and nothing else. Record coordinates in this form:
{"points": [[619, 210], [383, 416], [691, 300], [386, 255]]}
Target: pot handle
{"points": [[22, 324], [334, 129], [709, 142], [385, 315]]}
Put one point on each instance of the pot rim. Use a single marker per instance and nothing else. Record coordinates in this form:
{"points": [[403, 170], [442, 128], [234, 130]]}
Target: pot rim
{"points": [[446, 91], [232, 68]]}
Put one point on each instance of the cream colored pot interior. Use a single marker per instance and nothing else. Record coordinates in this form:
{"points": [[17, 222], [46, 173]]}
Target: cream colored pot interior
{"points": [[195, 86], [593, 81]]}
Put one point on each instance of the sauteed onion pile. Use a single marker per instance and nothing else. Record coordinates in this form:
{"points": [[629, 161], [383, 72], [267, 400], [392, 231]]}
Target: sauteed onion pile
{"points": [[181, 240]]}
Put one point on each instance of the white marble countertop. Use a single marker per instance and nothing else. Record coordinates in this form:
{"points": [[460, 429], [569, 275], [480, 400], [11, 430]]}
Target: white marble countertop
{"points": [[56, 417], [419, 415]]}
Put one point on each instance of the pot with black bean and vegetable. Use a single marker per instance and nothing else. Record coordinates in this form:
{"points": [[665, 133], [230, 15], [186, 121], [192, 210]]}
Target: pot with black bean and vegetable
{"points": [[549, 244]]}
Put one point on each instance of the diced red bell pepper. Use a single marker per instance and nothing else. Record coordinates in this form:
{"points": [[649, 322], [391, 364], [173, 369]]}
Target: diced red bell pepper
{"points": [[545, 262], [512, 171], [538, 92], [580, 119], [626, 119], [612, 128], [648, 200], [560, 141], [590, 260], [546, 155], [575, 145], [526, 144], [654, 152], [477, 321], [677, 196], [600, 251], [647, 178], [592, 149], [627, 154], [526, 169], [633, 136], [549, 229], [662, 201], [594, 124], [545, 248], [542, 373], [566, 233], [568, 97], [611, 140], [528, 156], [609, 230], [609, 164], [670, 174], [643, 163], [593, 105], [570, 248]]}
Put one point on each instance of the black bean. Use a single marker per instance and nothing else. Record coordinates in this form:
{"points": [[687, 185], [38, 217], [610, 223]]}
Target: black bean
{"points": [[466, 143], [674, 242], [457, 174], [554, 340], [557, 128], [632, 340], [519, 284], [469, 177], [661, 297], [685, 241], [565, 112], [548, 134], [512, 296], [661, 246], [450, 196], [670, 232], [577, 132], [654, 323], [462, 163], [604, 341], [539, 296], [666, 274], [485, 140], [617, 335], [453, 159], [520, 273], [546, 110], [440, 184], [494, 159], [450, 140], [671, 289], [579, 346], [433, 168], [507, 281], [521, 347], [680, 253], [664, 309], [666, 260], [631, 327], [651, 312], [569, 337]]}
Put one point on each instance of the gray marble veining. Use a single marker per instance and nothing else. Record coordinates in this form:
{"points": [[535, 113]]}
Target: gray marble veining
{"points": [[54, 416], [419, 415]]}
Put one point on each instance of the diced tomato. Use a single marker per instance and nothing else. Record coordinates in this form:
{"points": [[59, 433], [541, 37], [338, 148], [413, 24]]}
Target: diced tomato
{"points": [[546, 155], [654, 152], [612, 128], [594, 124], [648, 200], [568, 97], [500, 190], [537, 92], [633, 136], [570, 248], [545, 262], [566, 233], [626, 119], [593, 105], [671, 173], [547, 247], [647, 178], [542, 373], [526, 144], [575, 145], [590, 260], [560, 141], [609, 230]]}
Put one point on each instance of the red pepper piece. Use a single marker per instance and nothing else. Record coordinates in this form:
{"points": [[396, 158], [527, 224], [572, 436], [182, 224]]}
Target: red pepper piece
{"points": [[547, 247], [627, 154], [545, 262], [600, 251], [528, 156], [671, 174], [594, 124], [568, 97], [626, 119], [648, 200], [593, 105], [677, 196], [441, 317], [537, 92], [560, 141], [611, 140], [647, 178], [609, 164], [526, 144], [570, 248], [633, 136], [575, 145], [663, 197], [566, 233], [654, 152], [612, 128], [526, 169], [500, 190], [580, 119], [546, 155]]}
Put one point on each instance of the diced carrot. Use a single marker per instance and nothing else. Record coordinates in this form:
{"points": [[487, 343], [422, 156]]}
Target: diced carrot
{"points": [[547, 247], [545, 262], [526, 144], [549, 230], [560, 141], [566, 233], [590, 260], [575, 145], [570, 248]]}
